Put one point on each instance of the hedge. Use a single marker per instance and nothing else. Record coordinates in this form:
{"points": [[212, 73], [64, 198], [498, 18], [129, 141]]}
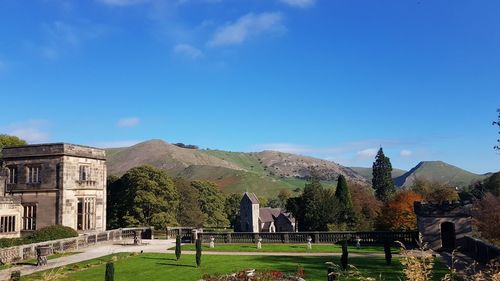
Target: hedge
{"points": [[53, 232]]}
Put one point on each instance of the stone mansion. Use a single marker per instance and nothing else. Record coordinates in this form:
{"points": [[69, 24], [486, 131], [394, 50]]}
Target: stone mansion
{"points": [[48, 184]]}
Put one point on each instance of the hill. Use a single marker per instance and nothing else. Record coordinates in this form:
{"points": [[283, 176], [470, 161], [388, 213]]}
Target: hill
{"points": [[264, 172], [367, 172], [439, 171]]}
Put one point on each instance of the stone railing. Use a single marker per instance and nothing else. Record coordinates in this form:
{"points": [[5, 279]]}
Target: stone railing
{"points": [[22, 252], [479, 250], [365, 238]]}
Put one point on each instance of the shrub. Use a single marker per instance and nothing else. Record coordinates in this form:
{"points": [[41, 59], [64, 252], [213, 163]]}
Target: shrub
{"points": [[344, 257], [178, 247], [10, 242], [387, 252], [15, 275], [52, 232], [110, 271], [198, 252]]}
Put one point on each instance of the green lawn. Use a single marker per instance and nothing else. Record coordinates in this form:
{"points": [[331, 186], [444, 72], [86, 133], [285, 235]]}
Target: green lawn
{"points": [[286, 248], [154, 266], [33, 261]]}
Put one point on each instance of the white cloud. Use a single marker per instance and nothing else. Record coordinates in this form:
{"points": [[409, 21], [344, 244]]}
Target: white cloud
{"points": [[250, 25], [113, 144], [367, 153], [32, 131], [128, 122], [59, 37], [299, 3], [187, 50], [405, 153]]}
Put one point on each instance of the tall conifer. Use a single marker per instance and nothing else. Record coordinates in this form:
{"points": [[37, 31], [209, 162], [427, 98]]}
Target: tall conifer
{"points": [[382, 178]]}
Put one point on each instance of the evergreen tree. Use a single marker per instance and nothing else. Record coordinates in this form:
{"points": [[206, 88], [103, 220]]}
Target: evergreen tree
{"points": [[110, 272], [198, 252], [382, 179], [346, 214], [343, 194]]}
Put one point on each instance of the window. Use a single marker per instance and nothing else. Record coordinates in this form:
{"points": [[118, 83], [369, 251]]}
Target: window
{"points": [[29, 217], [84, 173], [34, 174], [12, 175], [86, 213], [7, 224]]}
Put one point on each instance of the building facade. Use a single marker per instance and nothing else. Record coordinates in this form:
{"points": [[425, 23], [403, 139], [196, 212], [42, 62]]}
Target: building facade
{"points": [[444, 226], [256, 219], [52, 184]]}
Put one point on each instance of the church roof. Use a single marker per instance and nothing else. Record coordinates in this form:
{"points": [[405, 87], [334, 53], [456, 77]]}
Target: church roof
{"points": [[268, 214], [252, 197]]}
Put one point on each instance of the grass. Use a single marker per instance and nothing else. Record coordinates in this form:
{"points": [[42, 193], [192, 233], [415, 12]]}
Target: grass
{"points": [[286, 248], [155, 266], [33, 261]]}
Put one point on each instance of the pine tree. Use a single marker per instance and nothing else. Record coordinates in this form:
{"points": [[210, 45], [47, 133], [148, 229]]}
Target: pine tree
{"points": [[382, 178], [343, 194], [346, 214]]}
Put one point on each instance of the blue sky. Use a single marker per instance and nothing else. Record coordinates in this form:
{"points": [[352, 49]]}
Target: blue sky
{"points": [[334, 79]]}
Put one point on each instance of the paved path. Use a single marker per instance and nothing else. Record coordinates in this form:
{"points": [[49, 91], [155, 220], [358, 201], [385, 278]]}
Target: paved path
{"points": [[151, 246]]}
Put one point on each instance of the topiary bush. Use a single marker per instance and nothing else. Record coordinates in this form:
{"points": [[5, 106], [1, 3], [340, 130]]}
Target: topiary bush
{"points": [[198, 252], [387, 252], [11, 242], [110, 272], [344, 257], [178, 247], [52, 232]]}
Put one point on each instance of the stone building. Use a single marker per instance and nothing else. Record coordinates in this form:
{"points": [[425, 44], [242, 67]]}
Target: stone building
{"points": [[256, 219], [443, 226], [50, 184]]}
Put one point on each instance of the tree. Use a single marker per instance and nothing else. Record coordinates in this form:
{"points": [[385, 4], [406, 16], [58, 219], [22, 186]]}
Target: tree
{"points": [[7, 140], [189, 213], [211, 202], [382, 179], [365, 205], [434, 191], [398, 214], [232, 207], [497, 123], [343, 194], [280, 200], [116, 210], [150, 197], [486, 216], [492, 184], [316, 207]]}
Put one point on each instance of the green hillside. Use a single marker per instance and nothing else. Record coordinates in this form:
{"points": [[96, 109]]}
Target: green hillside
{"points": [[440, 172], [265, 173]]}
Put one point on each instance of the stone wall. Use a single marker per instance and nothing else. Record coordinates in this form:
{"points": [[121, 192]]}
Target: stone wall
{"points": [[11, 207]]}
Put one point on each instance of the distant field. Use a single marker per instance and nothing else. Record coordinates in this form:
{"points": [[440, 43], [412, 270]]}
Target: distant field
{"points": [[154, 266], [286, 248]]}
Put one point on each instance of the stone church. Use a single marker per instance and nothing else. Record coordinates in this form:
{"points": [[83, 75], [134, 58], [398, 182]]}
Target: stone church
{"points": [[48, 184], [256, 219]]}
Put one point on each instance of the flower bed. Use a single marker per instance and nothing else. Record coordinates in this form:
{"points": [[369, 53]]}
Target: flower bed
{"points": [[252, 275]]}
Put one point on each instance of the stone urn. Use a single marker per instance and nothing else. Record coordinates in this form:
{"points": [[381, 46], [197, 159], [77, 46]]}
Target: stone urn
{"points": [[42, 252]]}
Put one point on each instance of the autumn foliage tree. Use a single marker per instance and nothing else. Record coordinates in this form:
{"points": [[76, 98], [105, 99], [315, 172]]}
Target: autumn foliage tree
{"points": [[397, 214], [486, 216]]}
